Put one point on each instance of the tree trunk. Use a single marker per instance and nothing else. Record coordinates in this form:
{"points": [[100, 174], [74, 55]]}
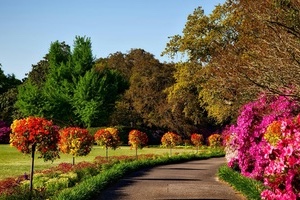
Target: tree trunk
{"points": [[106, 153], [136, 155], [32, 169]]}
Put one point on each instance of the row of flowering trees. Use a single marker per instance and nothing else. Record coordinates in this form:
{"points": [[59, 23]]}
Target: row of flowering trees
{"points": [[35, 134], [264, 144]]}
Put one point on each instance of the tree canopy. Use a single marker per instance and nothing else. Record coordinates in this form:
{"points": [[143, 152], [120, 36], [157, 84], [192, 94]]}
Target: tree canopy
{"points": [[72, 92], [240, 49]]}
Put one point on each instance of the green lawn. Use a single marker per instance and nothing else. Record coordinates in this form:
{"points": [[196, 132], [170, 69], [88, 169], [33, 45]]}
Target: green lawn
{"points": [[14, 163]]}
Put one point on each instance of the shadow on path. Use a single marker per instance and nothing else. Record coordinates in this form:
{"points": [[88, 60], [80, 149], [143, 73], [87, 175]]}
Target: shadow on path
{"points": [[189, 180]]}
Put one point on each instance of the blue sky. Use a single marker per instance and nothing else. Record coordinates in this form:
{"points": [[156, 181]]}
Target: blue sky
{"points": [[29, 26]]}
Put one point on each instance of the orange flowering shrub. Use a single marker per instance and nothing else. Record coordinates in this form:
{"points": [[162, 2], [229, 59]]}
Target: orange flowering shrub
{"points": [[170, 139], [197, 139], [35, 133], [108, 137], [215, 140], [137, 139], [75, 141]]}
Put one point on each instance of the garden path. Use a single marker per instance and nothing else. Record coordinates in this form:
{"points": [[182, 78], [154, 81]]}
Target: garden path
{"points": [[190, 180]]}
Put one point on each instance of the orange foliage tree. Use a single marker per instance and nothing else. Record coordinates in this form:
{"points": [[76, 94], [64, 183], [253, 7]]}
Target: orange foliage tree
{"points": [[137, 139], [108, 138], [170, 140], [75, 141], [215, 140], [35, 134]]}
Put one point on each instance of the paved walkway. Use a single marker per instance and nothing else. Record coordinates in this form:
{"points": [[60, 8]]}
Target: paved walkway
{"points": [[189, 180]]}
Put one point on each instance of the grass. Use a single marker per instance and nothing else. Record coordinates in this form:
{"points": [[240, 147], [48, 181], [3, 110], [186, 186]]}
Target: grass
{"points": [[248, 187], [14, 163]]}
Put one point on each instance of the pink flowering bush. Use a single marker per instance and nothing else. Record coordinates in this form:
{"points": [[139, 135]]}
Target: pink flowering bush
{"points": [[282, 149], [264, 144], [246, 137]]}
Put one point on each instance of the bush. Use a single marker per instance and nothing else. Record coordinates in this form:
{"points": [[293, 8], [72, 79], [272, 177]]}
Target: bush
{"points": [[4, 133]]}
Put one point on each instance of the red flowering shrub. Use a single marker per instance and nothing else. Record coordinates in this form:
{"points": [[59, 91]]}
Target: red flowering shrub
{"points": [[215, 140], [197, 139], [38, 133], [75, 141], [137, 139]]}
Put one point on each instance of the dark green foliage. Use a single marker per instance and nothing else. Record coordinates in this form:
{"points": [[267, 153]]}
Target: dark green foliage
{"points": [[8, 85], [7, 81], [248, 187], [7, 101]]}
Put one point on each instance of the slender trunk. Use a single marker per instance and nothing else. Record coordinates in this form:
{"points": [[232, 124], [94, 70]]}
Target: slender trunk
{"points": [[136, 155], [73, 160], [106, 153], [32, 169]]}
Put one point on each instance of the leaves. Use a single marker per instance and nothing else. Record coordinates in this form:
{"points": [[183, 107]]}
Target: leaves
{"points": [[75, 141], [170, 139], [137, 139], [35, 131], [108, 137]]}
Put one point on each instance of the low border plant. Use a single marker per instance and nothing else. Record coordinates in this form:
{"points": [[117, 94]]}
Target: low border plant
{"points": [[250, 188]]}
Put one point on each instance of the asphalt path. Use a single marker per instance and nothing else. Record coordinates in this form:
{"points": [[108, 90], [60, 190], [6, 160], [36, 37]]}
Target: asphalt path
{"points": [[189, 180]]}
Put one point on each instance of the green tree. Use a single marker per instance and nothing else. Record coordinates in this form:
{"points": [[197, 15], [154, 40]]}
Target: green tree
{"points": [[95, 96], [73, 92]]}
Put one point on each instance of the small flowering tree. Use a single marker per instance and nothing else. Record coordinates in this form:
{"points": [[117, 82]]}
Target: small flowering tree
{"points": [[4, 133], [197, 140], [170, 140], [108, 138], [35, 134], [215, 140], [75, 141], [137, 139]]}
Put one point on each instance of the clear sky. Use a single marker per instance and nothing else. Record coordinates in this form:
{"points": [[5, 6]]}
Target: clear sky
{"points": [[27, 27]]}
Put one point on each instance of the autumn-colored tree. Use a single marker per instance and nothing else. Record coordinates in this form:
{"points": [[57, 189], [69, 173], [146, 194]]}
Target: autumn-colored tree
{"points": [[215, 140], [35, 134], [137, 139], [75, 141], [108, 138], [241, 48], [170, 140], [197, 140], [203, 38]]}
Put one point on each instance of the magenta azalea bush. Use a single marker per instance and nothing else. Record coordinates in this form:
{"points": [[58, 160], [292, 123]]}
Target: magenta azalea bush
{"points": [[282, 149], [4, 133], [246, 137], [261, 139]]}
